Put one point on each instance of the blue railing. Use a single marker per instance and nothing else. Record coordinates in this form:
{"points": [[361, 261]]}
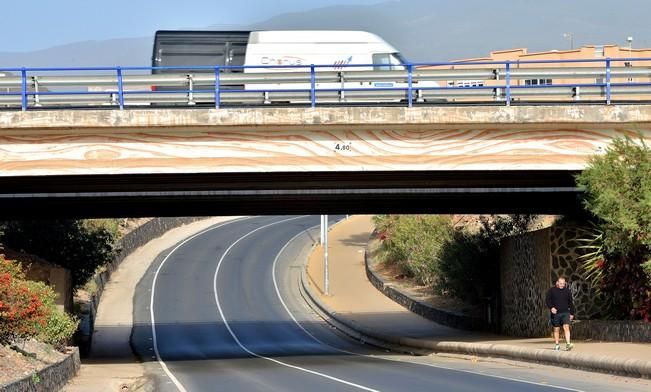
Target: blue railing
{"points": [[410, 87]]}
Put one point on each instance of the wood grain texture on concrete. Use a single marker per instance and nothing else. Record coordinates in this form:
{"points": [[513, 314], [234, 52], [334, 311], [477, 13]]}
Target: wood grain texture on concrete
{"points": [[293, 140]]}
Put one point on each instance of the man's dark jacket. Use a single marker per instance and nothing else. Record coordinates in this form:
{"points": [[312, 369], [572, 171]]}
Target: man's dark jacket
{"points": [[561, 299]]}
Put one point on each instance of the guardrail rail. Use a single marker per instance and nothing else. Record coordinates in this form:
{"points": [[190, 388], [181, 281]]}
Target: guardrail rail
{"points": [[496, 82]]}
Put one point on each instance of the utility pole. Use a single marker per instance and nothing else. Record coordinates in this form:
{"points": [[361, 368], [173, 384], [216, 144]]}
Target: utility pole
{"points": [[629, 63], [322, 226], [569, 36], [326, 280]]}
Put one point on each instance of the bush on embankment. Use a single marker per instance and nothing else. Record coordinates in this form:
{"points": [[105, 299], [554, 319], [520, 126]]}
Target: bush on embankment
{"points": [[456, 262], [28, 310], [469, 264], [618, 194], [413, 243], [80, 246]]}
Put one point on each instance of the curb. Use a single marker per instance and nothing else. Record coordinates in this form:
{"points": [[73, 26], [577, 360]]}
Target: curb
{"points": [[422, 309], [350, 328], [604, 364]]}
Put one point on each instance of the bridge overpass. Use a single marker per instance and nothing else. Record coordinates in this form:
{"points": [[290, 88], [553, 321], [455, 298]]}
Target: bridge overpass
{"points": [[183, 161]]}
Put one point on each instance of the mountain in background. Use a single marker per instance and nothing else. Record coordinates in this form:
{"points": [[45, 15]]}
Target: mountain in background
{"points": [[424, 30]]}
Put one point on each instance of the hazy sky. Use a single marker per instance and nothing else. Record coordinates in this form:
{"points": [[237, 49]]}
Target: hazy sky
{"points": [[39, 24]]}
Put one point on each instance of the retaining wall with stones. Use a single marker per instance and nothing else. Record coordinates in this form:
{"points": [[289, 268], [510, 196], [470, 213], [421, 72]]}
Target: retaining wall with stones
{"points": [[612, 331], [421, 308], [51, 378], [529, 266], [524, 279]]}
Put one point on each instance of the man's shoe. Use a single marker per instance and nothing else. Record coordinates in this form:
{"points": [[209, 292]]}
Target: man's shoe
{"points": [[557, 347], [569, 347]]}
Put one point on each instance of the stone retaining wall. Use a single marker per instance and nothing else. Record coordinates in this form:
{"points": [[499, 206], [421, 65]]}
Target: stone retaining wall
{"points": [[529, 266], [525, 273], [52, 378], [612, 331], [424, 309]]}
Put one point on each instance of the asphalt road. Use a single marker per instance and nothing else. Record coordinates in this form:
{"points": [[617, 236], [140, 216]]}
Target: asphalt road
{"points": [[221, 312]]}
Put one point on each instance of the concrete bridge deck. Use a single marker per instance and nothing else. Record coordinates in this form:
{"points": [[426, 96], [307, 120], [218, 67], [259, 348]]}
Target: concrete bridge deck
{"points": [[437, 153]]}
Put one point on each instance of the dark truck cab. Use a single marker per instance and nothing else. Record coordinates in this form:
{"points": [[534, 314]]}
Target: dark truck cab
{"points": [[179, 48]]}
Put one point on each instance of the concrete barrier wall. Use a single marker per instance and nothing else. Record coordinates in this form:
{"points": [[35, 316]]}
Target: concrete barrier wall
{"points": [[424, 309]]}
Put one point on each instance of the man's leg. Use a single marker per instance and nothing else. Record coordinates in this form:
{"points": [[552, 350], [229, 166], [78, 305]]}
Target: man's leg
{"points": [[557, 332], [568, 344], [566, 331]]}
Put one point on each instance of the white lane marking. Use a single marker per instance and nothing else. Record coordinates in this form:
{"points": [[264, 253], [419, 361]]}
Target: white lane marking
{"points": [[282, 301], [273, 272], [237, 340], [163, 365]]}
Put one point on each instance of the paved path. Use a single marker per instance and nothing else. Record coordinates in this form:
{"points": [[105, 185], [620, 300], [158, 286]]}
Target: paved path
{"points": [[226, 328], [227, 315], [354, 298], [111, 363]]}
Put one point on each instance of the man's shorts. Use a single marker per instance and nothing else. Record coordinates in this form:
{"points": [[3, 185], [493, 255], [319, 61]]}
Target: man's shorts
{"points": [[559, 319]]}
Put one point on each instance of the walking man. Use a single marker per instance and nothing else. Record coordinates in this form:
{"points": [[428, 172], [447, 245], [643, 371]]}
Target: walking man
{"points": [[561, 307]]}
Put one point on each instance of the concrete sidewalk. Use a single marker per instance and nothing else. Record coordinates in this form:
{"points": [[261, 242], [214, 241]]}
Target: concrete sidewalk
{"points": [[356, 303], [112, 366]]}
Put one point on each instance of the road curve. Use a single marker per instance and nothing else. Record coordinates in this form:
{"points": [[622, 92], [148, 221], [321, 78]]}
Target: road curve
{"points": [[220, 312]]}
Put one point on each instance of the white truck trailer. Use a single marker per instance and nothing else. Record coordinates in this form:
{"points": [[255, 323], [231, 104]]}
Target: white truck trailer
{"points": [[356, 57]]}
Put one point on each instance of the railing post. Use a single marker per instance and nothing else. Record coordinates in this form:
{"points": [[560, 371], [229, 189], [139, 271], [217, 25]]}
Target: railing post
{"points": [[498, 90], [191, 90], [508, 83], [217, 88], [326, 272], [608, 92], [410, 87], [313, 85], [37, 99], [23, 89], [120, 88]]}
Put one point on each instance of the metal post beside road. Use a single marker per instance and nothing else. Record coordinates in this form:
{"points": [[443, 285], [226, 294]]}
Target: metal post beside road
{"points": [[326, 280]]}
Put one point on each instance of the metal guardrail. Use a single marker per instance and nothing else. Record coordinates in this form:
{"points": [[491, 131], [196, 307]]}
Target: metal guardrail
{"points": [[490, 81]]}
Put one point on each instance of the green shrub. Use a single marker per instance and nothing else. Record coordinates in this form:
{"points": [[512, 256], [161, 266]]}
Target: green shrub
{"points": [[28, 309], [112, 226], [22, 309], [414, 242], [618, 194], [647, 270], [72, 244], [58, 330], [469, 264]]}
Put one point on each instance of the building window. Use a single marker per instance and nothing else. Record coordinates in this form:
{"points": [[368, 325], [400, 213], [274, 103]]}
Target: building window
{"points": [[537, 82], [470, 83]]}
